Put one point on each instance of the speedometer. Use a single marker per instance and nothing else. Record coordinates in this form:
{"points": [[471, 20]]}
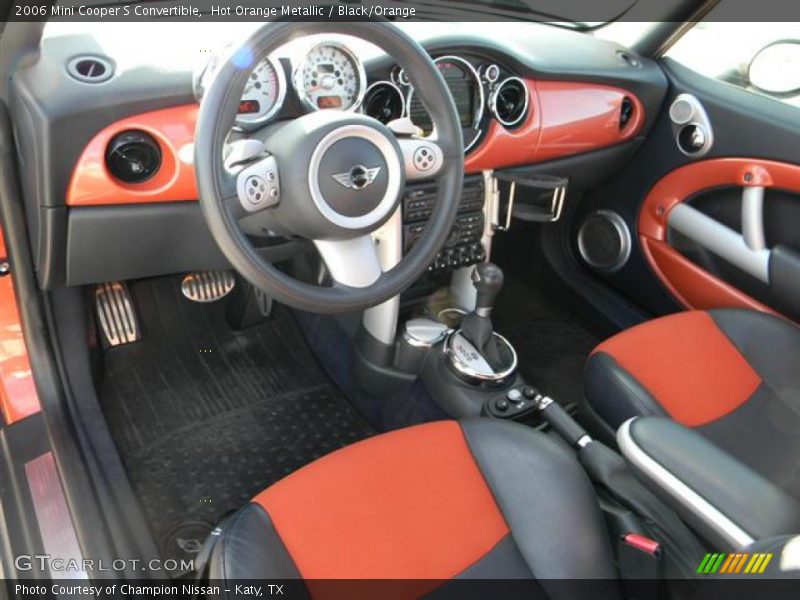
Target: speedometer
{"points": [[330, 76], [263, 94]]}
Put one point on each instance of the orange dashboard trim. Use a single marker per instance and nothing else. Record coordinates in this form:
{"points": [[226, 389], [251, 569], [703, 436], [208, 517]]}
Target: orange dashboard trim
{"points": [[18, 397], [506, 147], [173, 128], [581, 117], [563, 119], [689, 284]]}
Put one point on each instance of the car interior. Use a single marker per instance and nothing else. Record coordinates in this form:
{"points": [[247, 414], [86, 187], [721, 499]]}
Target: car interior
{"points": [[433, 302]]}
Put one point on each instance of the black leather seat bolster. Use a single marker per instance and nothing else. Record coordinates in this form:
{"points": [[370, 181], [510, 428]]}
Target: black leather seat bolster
{"points": [[722, 498], [250, 548], [548, 503], [615, 394]]}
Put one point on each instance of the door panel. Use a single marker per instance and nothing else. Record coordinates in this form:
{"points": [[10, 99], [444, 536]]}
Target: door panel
{"points": [[714, 214], [755, 141]]}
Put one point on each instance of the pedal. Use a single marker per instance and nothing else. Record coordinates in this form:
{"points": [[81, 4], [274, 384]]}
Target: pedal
{"points": [[263, 302], [115, 312], [207, 286]]}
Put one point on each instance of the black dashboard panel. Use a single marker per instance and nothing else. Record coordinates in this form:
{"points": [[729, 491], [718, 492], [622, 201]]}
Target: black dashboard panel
{"points": [[55, 116]]}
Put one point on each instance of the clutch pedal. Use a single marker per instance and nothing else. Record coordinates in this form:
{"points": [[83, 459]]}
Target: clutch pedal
{"points": [[207, 286], [115, 312]]}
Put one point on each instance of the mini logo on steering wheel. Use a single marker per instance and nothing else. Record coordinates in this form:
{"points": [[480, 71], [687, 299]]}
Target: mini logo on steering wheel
{"points": [[357, 178]]}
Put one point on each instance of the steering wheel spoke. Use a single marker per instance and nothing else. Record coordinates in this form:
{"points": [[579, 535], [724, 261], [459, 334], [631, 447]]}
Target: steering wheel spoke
{"points": [[422, 158], [254, 187], [352, 262]]}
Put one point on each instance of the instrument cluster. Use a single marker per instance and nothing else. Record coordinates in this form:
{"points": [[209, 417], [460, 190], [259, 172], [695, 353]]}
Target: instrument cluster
{"points": [[480, 89], [330, 76]]}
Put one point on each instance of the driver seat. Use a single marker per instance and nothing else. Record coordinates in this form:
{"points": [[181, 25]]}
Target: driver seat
{"points": [[477, 499]]}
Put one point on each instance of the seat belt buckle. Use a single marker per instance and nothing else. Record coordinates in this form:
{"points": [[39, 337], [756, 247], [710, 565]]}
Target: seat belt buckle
{"points": [[640, 562]]}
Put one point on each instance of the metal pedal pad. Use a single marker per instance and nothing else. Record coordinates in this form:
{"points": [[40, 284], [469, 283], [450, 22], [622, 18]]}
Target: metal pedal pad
{"points": [[207, 286], [115, 312], [263, 301]]}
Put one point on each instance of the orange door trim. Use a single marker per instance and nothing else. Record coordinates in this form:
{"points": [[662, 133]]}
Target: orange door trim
{"points": [[692, 286]]}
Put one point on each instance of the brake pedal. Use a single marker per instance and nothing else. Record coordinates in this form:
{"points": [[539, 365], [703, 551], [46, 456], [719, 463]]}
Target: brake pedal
{"points": [[115, 312], [207, 286]]}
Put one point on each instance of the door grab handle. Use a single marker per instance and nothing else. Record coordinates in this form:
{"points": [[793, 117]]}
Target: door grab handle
{"points": [[721, 240], [753, 218]]}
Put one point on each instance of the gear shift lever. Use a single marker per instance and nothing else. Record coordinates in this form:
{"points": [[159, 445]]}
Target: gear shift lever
{"points": [[488, 281], [477, 326]]}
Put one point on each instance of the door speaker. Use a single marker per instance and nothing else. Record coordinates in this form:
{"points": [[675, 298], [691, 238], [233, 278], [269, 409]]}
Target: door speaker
{"points": [[604, 241]]}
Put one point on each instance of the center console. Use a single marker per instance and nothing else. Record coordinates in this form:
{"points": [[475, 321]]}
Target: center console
{"points": [[464, 246], [469, 370]]}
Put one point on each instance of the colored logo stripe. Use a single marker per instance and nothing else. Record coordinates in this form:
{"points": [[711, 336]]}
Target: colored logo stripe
{"points": [[752, 564]]}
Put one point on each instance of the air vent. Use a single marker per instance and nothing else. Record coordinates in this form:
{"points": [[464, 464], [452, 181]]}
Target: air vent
{"points": [[625, 112], [509, 101], [90, 69], [384, 101], [133, 156]]}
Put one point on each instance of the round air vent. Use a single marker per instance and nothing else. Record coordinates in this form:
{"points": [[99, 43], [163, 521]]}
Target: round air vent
{"points": [[604, 241], [384, 101], [133, 156], [692, 139], [90, 69], [509, 101]]}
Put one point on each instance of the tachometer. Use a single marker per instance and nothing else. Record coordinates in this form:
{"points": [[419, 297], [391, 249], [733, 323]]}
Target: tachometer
{"points": [[330, 76], [263, 94]]}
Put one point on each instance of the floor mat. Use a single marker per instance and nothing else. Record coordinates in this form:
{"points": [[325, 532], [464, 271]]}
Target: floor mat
{"points": [[552, 347], [205, 418]]}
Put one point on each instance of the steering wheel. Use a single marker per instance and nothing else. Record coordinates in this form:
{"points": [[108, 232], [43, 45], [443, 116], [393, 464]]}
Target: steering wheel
{"points": [[331, 177]]}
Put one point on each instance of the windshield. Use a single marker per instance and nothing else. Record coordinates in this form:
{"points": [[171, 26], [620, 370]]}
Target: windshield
{"points": [[578, 13]]}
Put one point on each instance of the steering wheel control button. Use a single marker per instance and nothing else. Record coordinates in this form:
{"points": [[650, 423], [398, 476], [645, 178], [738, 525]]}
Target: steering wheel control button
{"points": [[529, 392], [501, 405], [257, 185], [256, 189], [422, 158]]}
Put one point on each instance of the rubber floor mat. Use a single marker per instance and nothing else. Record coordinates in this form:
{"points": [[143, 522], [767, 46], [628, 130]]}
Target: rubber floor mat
{"points": [[552, 347], [205, 418]]}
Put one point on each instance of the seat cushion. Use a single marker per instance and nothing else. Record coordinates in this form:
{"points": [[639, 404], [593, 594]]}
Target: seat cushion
{"points": [[731, 374], [431, 503]]}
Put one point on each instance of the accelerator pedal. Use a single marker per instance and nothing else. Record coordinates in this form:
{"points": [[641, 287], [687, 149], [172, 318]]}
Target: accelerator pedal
{"points": [[115, 312], [207, 286]]}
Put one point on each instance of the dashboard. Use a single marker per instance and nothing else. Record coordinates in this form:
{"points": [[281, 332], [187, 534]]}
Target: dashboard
{"points": [[535, 95], [329, 75]]}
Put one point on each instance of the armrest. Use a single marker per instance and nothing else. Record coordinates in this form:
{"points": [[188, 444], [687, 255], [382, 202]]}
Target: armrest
{"points": [[720, 497]]}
